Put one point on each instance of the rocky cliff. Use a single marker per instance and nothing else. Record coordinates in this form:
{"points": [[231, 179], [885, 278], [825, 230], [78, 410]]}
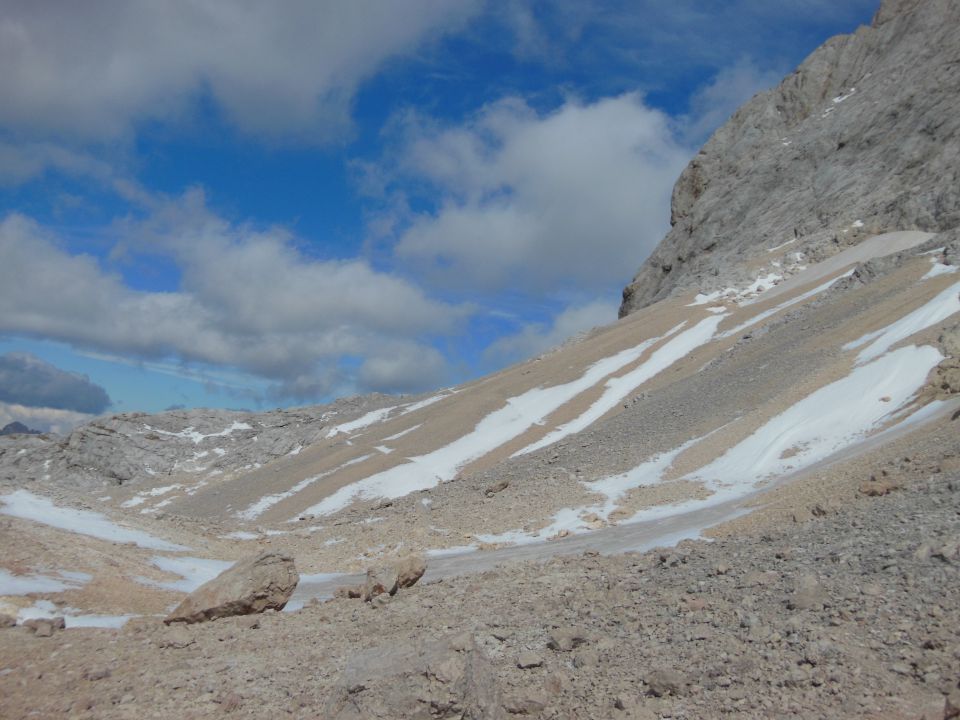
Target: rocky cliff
{"points": [[863, 138]]}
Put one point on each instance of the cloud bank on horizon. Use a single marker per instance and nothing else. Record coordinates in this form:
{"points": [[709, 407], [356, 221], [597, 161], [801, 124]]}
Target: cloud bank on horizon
{"points": [[248, 204]]}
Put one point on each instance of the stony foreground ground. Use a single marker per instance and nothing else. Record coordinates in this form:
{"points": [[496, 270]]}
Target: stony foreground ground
{"points": [[851, 610]]}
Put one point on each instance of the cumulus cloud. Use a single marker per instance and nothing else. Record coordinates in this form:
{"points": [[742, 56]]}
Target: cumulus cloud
{"points": [[25, 379], [536, 338], [248, 299], [533, 202], [91, 70]]}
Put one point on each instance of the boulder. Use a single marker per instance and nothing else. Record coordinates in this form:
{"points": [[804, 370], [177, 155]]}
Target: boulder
{"points": [[7, 621], [380, 581], [409, 570], [448, 678], [665, 681], [387, 579], [566, 639], [251, 586]]}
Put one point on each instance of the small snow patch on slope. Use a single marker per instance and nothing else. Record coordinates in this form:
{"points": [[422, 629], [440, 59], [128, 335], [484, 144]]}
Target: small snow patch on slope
{"points": [[26, 505], [616, 389], [374, 416], [26, 584], [199, 437], [938, 309], [939, 269], [193, 572]]}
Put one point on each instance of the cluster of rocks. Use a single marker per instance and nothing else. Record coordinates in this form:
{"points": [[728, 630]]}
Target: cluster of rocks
{"points": [[383, 582]]}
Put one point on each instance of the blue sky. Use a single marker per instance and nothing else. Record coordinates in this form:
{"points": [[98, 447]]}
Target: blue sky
{"points": [[235, 204]]}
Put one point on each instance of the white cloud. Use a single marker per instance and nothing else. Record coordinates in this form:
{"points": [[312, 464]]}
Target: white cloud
{"points": [[41, 418], [534, 202], [248, 299], [91, 70], [714, 103], [536, 338]]}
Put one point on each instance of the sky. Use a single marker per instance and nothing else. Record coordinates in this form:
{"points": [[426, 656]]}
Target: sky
{"points": [[213, 203]]}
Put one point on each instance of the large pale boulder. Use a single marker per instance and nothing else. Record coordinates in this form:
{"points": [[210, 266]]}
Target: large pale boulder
{"points": [[250, 586]]}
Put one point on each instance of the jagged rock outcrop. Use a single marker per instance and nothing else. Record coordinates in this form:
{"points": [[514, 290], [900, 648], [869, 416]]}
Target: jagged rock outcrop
{"points": [[251, 586], [863, 138]]}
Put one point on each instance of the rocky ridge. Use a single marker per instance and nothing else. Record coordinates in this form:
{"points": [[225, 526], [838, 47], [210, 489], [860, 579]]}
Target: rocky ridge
{"points": [[863, 138], [134, 447]]}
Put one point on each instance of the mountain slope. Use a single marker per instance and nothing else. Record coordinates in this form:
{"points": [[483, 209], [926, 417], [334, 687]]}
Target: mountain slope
{"points": [[863, 138], [799, 410]]}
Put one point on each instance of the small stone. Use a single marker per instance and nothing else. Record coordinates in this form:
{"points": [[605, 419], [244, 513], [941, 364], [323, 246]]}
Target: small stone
{"points": [[529, 659], [409, 570], [524, 705], [566, 639], [94, 674], [497, 487], [665, 681], [380, 581]]}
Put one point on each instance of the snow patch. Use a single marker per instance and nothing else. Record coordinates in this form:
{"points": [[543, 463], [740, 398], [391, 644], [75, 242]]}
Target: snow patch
{"points": [[199, 437], [402, 433], [26, 584], [193, 572], [936, 310], [268, 501], [499, 427], [26, 505], [372, 417], [617, 388]]}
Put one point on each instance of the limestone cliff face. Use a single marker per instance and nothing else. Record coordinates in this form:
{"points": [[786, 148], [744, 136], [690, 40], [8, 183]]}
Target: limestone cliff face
{"points": [[864, 137]]}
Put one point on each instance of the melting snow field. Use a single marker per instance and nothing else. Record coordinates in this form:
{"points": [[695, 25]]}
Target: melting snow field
{"points": [[938, 309], [618, 388], [830, 419], [499, 427], [26, 505], [268, 501]]}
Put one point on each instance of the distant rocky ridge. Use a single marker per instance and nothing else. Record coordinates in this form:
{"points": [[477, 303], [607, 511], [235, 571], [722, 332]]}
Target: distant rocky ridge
{"points": [[863, 138], [17, 428], [131, 447]]}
